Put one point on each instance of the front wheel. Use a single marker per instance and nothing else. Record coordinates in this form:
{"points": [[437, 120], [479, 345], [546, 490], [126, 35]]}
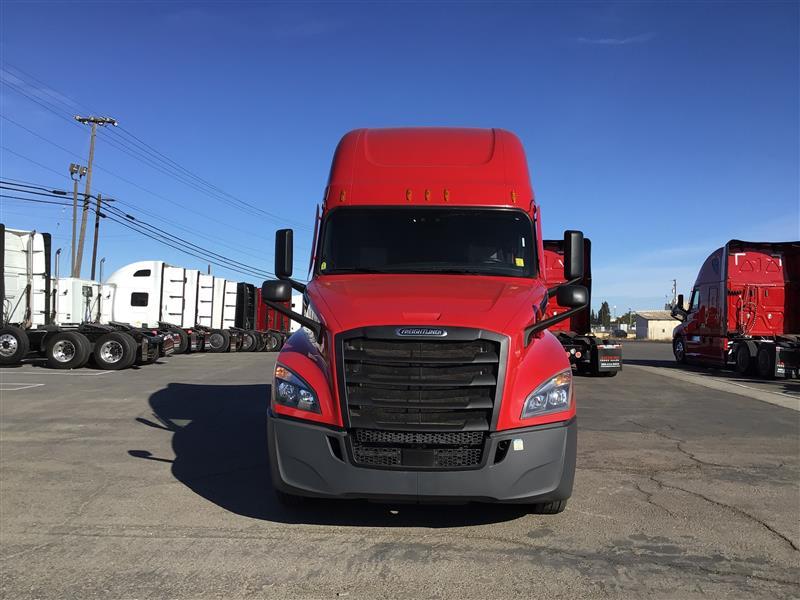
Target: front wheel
{"points": [[289, 500], [14, 345], [765, 362], [679, 350], [744, 360], [549, 508]]}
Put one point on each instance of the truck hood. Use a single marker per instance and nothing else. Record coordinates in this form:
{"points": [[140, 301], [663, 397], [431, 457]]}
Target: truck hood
{"points": [[498, 304]]}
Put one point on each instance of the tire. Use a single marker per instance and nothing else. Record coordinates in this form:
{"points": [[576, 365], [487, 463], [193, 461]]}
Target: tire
{"points": [[290, 500], [744, 361], [249, 342], [609, 373], [765, 362], [114, 351], [87, 349], [274, 342], [261, 342], [66, 350], [14, 345], [679, 350], [218, 341], [548, 508], [183, 344]]}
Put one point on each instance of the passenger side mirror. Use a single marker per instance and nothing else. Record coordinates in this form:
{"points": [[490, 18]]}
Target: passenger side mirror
{"points": [[276, 290], [572, 296], [284, 258], [573, 255]]}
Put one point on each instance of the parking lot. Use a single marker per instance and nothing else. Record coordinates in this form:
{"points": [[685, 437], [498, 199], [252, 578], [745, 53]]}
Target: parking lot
{"points": [[154, 483]]}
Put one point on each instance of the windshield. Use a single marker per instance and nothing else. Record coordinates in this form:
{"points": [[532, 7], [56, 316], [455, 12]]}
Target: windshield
{"points": [[427, 240]]}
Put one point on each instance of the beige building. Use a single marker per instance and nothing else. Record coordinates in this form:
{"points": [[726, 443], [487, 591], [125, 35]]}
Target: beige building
{"points": [[654, 325]]}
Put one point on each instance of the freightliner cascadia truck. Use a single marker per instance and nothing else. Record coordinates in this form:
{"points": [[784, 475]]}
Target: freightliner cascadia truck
{"points": [[424, 370], [589, 354], [744, 310]]}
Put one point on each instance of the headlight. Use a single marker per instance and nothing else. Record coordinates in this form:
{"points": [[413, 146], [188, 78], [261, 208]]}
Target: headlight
{"points": [[292, 391], [552, 396]]}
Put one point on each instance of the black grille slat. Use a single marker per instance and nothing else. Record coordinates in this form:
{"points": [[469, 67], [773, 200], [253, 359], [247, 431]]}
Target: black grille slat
{"points": [[436, 399], [419, 403], [360, 355]]}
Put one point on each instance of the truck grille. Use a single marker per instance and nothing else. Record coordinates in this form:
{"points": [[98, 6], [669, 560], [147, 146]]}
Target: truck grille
{"points": [[419, 403]]}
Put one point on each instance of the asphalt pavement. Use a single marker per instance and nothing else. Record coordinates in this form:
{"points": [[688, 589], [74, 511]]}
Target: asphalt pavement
{"points": [[153, 483]]}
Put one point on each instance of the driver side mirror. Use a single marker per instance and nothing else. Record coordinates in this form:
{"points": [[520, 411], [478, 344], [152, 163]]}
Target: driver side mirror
{"points": [[572, 296], [284, 250], [573, 255], [276, 290], [678, 311]]}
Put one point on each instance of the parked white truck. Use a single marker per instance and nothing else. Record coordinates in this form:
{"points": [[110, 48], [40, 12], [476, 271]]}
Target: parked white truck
{"points": [[60, 318]]}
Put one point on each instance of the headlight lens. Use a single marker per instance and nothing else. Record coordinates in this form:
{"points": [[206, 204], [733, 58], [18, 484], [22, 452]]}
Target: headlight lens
{"points": [[293, 392], [552, 396]]}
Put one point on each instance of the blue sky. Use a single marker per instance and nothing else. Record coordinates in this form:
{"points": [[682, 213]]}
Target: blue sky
{"points": [[660, 130]]}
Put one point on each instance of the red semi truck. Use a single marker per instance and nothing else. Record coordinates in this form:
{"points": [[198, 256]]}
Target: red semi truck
{"points": [[744, 310], [590, 355], [423, 370]]}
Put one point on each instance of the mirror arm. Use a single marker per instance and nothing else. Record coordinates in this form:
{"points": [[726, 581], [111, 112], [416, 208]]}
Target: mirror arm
{"points": [[315, 327], [542, 325], [552, 291], [300, 287]]}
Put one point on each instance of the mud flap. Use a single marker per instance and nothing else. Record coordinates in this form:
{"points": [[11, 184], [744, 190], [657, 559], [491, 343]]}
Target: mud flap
{"points": [[606, 358]]}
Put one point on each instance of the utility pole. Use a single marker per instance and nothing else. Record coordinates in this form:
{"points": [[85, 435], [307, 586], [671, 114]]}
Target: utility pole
{"points": [[674, 292], [74, 169], [94, 122], [97, 230]]}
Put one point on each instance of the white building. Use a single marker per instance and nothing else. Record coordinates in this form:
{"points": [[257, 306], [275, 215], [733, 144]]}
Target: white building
{"points": [[654, 325]]}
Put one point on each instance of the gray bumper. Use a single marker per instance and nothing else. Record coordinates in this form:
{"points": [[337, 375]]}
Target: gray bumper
{"points": [[303, 462]]}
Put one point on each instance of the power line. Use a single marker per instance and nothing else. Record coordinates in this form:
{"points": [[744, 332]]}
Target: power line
{"points": [[192, 210], [148, 229], [150, 155]]}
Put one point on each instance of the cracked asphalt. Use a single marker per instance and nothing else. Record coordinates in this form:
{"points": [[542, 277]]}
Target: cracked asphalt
{"points": [[152, 483]]}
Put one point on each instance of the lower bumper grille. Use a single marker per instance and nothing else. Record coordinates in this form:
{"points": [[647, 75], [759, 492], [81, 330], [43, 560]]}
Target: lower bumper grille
{"points": [[435, 450]]}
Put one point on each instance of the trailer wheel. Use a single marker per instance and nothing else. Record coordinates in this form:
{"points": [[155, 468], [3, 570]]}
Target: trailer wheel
{"points": [[183, 344], [765, 361], [66, 350], [679, 350], [14, 345], [549, 508], [744, 360], [114, 351], [274, 342], [249, 343], [218, 341]]}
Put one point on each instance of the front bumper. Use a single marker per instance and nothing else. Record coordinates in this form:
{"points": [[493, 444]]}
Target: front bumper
{"points": [[303, 462]]}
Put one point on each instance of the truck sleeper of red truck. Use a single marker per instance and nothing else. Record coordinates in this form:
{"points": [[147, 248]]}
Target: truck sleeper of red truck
{"points": [[423, 370], [744, 310]]}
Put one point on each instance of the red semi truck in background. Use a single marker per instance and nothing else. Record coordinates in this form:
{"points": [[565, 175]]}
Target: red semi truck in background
{"points": [[590, 354], [744, 310], [424, 370]]}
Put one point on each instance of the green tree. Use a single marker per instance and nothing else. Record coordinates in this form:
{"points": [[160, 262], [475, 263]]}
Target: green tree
{"points": [[604, 316]]}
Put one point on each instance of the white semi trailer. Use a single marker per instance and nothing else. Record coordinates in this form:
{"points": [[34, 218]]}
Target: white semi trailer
{"points": [[206, 311]]}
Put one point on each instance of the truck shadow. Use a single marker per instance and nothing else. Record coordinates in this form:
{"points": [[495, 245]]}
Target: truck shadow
{"points": [[219, 437]]}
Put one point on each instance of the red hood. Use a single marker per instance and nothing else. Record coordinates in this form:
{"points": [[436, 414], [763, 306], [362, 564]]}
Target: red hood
{"points": [[350, 301]]}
